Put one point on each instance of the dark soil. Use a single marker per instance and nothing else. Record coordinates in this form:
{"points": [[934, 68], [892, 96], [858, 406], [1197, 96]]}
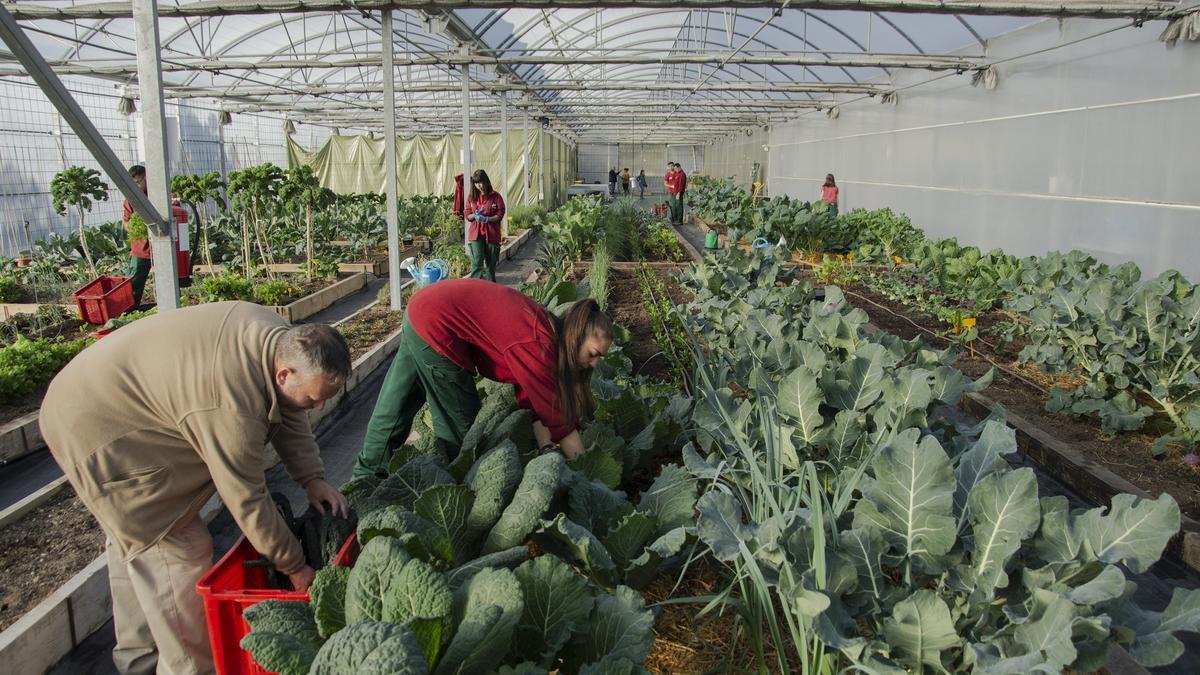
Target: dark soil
{"points": [[1128, 454], [28, 326], [626, 307], [369, 328], [43, 550], [28, 404]]}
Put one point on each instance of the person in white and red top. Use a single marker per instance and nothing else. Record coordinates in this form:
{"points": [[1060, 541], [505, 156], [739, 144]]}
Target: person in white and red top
{"points": [[484, 213], [829, 194]]}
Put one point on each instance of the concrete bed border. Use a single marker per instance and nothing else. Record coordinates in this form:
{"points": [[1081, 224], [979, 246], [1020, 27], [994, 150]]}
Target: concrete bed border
{"points": [[56, 625]]}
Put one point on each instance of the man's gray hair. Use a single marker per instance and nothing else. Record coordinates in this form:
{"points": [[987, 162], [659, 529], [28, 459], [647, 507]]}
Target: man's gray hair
{"points": [[314, 348]]}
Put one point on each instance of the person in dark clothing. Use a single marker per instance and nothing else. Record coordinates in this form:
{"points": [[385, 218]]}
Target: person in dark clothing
{"points": [[612, 182], [458, 328], [641, 183]]}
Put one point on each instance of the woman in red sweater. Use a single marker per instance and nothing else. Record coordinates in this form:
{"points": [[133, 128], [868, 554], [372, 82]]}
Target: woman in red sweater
{"points": [[484, 213], [829, 194], [460, 328]]}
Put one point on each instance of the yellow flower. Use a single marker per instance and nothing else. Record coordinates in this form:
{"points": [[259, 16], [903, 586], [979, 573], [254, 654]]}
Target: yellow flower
{"points": [[968, 322], [850, 256], [898, 259]]}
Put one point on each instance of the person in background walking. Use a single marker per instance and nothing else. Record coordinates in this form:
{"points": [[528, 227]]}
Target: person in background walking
{"points": [[829, 194], [485, 212], [612, 182], [625, 180], [674, 193], [459, 328], [682, 178], [641, 183]]}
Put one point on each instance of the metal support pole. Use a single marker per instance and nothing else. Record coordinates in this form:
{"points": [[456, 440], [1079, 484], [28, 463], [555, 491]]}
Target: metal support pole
{"points": [[504, 145], [526, 174], [158, 167], [389, 159], [222, 165], [542, 167], [33, 63], [466, 142]]}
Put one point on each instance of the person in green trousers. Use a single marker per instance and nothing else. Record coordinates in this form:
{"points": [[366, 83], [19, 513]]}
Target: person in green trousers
{"points": [[459, 328], [484, 213], [139, 249]]}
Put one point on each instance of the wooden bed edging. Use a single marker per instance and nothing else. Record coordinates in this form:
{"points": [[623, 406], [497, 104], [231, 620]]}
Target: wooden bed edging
{"points": [[1090, 479]]}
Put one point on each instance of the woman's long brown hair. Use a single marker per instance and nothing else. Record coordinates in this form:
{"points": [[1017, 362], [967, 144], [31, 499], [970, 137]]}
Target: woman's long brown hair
{"points": [[574, 381], [480, 176]]}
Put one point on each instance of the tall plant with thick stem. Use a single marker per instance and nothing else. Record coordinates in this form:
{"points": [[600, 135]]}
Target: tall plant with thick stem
{"points": [[253, 192], [197, 190], [78, 187], [302, 188]]}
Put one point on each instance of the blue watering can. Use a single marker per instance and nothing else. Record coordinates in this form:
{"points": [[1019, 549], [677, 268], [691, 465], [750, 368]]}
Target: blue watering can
{"points": [[431, 272], [761, 244]]}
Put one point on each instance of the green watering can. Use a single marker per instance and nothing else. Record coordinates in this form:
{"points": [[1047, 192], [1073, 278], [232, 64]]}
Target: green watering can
{"points": [[710, 240]]}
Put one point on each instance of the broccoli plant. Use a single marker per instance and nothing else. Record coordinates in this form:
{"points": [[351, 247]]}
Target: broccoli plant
{"points": [[196, 190], [253, 192], [78, 187], [302, 189]]}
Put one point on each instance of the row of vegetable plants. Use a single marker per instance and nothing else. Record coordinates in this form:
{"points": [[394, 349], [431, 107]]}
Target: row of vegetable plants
{"points": [[1132, 344], [871, 534], [494, 558], [859, 530]]}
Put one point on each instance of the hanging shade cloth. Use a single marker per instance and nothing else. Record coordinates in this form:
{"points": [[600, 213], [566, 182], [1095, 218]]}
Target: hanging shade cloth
{"points": [[424, 164]]}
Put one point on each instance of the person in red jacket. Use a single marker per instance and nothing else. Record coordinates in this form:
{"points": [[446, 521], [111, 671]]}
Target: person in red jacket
{"points": [[484, 213], [829, 194], [458, 328], [674, 182]]}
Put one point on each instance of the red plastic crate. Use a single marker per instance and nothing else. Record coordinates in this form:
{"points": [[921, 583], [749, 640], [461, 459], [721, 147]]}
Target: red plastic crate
{"points": [[230, 587], [103, 299]]}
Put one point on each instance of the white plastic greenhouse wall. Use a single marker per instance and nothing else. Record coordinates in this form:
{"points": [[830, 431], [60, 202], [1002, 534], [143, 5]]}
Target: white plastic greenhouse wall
{"points": [[35, 144], [1091, 146]]}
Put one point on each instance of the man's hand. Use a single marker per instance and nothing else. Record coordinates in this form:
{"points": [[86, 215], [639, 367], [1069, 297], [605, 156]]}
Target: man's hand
{"points": [[320, 492], [303, 578]]}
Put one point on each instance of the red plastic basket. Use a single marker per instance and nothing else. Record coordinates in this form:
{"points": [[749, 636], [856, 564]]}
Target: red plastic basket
{"points": [[230, 587], [103, 299]]}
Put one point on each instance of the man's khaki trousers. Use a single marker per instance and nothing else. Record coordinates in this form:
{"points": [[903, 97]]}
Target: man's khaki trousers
{"points": [[157, 613]]}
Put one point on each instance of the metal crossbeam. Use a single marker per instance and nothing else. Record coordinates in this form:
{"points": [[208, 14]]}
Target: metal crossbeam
{"points": [[234, 64], [205, 8], [547, 85], [617, 106]]}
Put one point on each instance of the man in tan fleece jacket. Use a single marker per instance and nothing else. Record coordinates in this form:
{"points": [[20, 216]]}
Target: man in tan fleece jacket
{"points": [[150, 421]]}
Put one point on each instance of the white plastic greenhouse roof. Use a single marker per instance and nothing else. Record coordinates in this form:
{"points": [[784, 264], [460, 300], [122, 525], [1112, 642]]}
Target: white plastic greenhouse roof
{"points": [[651, 69]]}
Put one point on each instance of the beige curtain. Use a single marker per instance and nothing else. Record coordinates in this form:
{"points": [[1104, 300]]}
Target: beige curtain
{"points": [[424, 164]]}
